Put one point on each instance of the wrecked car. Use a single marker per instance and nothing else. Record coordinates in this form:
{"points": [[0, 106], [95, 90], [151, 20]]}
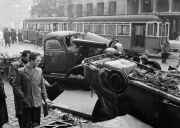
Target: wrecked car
{"points": [[126, 87]]}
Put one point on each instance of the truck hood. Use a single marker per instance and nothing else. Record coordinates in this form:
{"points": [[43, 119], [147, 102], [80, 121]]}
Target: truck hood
{"points": [[89, 43]]}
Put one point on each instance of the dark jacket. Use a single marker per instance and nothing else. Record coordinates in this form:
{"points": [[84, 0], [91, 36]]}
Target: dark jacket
{"points": [[3, 107], [2, 93], [12, 74], [29, 86]]}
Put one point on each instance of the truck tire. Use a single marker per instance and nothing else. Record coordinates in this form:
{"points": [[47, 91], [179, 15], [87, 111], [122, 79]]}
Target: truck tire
{"points": [[118, 81], [153, 64]]}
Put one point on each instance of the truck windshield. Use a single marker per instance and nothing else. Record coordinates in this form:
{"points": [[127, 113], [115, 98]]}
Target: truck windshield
{"points": [[54, 44]]}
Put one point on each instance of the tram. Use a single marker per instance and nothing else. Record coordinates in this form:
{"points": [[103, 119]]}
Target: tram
{"points": [[44, 25], [138, 33]]}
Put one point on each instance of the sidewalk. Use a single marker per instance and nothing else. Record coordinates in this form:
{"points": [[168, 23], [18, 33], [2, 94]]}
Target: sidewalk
{"points": [[15, 49]]}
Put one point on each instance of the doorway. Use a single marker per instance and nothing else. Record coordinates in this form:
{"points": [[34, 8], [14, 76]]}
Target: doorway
{"points": [[138, 37]]}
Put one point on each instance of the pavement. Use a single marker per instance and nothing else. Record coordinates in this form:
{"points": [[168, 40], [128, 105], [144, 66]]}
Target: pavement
{"points": [[15, 49]]}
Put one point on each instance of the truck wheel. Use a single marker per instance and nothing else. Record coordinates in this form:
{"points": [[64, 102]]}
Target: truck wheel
{"points": [[153, 64], [118, 81]]}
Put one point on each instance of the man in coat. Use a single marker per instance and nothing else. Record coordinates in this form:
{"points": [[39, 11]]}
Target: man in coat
{"points": [[29, 86], [12, 74], [7, 36], [3, 107]]}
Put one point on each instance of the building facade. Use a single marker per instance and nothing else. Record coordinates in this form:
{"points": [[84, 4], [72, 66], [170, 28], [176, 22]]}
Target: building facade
{"points": [[169, 9]]}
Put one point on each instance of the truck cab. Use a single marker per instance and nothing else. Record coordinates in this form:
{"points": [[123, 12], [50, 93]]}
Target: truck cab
{"points": [[63, 53]]}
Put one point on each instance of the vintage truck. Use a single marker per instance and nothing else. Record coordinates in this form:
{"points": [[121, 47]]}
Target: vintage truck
{"points": [[63, 53], [126, 87]]}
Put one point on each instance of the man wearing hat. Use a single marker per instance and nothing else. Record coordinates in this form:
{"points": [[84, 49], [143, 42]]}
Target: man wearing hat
{"points": [[144, 59], [12, 74]]}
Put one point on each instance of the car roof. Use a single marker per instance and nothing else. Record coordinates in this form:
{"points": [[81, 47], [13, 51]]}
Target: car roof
{"points": [[59, 34]]}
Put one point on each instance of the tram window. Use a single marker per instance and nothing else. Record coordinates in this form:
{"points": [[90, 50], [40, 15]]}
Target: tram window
{"points": [[74, 27], [123, 30], [110, 29], [152, 29], [55, 26], [41, 27], [60, 27], [24, 25], [65, 26], [163, 31], [167, 29], [51, 27], [34, 27], [79, 27], [160, 29], [99, 28], [47, 27], [30, 26], [69, 27], [88, 28]]}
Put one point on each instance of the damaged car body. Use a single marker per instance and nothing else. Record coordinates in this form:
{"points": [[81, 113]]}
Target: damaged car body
{"points": [[126, 87]]}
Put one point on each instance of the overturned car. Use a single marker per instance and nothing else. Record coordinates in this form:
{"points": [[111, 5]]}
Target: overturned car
{"points": [[126, 87]]}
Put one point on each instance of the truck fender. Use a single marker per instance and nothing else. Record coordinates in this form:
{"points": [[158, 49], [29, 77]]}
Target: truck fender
{"points": [[77, 70]]}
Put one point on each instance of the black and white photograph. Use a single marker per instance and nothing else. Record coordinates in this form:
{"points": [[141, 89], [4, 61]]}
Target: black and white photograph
{"points": [[90, 64]]}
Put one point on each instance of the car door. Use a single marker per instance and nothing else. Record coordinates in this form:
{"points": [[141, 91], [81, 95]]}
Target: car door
{"points": [[55, 56]]}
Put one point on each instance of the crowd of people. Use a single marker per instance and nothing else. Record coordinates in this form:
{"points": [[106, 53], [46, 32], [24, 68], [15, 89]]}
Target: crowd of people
{"points": [[29, 90], [11, 36]]}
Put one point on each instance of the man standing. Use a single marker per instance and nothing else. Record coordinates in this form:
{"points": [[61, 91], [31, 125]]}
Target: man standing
{"points": [[7, 36], [165, 48], [30, 88], [12, 74], [3, 107]]}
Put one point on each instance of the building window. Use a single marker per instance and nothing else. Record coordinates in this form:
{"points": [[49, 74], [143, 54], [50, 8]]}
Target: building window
{"points": [[61, 11], [89, 9], [79, 10], [100, 9], [163, 5], [70, 10], [147, 6], [112, 8], [176, 6]]}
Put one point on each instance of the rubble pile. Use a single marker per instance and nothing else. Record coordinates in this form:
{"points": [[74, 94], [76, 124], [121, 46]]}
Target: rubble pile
{"points": [[165, 81]]}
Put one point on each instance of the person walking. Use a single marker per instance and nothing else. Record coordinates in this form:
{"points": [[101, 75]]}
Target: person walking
{"points": [[3, 107], [20, 38], [165, 48], [7, 36], [12, 74], [30, 88], [38, 38], [13, 36]]}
